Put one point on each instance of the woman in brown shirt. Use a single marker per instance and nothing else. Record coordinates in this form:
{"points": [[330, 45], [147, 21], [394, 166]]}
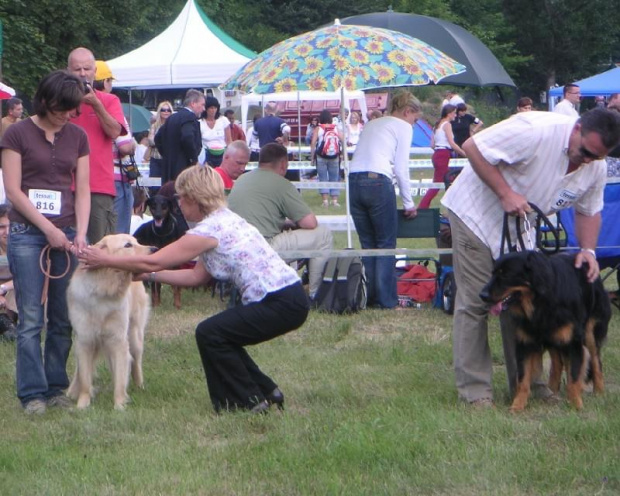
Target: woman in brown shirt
{"points": [[46, 176]]}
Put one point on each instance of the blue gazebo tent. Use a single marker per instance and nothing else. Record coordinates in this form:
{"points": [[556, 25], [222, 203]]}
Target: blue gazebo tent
{"points": [[603, 84], [422, 133]]}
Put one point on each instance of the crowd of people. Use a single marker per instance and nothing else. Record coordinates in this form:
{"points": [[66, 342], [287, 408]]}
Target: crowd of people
{"points": [[65, 177]]}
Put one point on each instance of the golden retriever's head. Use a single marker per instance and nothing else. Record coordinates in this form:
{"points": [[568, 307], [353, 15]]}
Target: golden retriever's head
{"points": [[123, 244]]}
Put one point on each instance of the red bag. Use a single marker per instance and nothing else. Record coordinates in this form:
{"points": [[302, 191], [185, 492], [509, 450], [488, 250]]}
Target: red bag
{"points": [[423, 289]]}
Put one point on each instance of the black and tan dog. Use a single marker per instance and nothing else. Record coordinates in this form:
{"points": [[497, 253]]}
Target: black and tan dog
{"points": [[164, 229], [554, 308]]}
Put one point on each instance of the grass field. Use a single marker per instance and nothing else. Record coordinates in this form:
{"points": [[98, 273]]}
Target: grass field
{"points": [[371, 409]]}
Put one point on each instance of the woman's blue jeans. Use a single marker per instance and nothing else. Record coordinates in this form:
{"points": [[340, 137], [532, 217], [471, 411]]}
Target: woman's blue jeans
{"points": [[328, 170], [123, 205], [373, 208], [40, 375]]}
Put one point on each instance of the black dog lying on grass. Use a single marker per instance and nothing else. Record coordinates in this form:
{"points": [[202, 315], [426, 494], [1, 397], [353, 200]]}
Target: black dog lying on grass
{"points": [[164, 229], [554, 308]]}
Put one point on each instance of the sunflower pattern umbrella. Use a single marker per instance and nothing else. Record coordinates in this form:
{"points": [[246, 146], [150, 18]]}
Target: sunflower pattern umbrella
{"points": [[349, 57], [339, 58]]}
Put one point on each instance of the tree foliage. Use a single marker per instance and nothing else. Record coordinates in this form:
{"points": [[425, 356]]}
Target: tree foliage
{"points": [[563, 40], [539, 42]]}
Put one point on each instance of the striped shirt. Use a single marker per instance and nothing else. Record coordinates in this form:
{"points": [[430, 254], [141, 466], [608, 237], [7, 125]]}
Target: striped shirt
{"points": [[530, 149]]}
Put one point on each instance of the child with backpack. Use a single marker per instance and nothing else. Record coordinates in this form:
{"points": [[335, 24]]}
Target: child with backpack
{"points": [[325, 148]]}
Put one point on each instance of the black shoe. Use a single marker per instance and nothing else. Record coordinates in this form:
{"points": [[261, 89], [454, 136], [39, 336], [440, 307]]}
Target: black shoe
{"points": [[276, 398], [261, 408]]}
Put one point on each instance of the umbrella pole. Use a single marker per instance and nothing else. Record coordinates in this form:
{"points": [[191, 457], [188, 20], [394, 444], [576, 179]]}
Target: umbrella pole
{"points": [[346, 168], [298, 127]]}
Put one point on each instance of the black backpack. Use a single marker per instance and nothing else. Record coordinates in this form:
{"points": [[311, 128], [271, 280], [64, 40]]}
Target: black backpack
{"points": [[343, 289]]}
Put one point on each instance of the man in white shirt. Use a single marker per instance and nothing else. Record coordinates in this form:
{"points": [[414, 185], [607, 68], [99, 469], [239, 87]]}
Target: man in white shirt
{"points": [[551, 160], [452, 98], [572, 96]]}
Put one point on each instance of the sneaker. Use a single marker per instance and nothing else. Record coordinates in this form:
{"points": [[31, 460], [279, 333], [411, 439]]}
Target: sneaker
{"points": [[335, 203], [61, 401], [35, 407], [482, 403], [325, 204], [542, 392]]}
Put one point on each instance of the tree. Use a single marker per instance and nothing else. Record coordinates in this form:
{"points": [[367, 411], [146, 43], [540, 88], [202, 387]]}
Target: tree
{"points": [[38, 35], [564, 40]]}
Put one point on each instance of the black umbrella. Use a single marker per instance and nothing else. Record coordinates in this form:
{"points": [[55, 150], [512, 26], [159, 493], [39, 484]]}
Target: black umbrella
{"points": [[483, 69]]}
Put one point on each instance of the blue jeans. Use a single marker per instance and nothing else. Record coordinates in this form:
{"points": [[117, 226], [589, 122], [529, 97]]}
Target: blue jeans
{"points": [[373, 208], [123, 206], [329, 171], [40, 375], [155, 166]]}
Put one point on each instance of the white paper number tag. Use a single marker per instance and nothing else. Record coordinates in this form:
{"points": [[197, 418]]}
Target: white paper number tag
{"points": [[46, 201], [564, 199]]}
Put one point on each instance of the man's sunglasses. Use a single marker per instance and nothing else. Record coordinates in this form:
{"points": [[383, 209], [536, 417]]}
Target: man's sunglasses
{"points": [[585, 153]]}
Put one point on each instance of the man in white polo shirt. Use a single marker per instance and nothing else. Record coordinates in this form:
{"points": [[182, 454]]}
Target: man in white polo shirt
{"points": [[551, 160]]}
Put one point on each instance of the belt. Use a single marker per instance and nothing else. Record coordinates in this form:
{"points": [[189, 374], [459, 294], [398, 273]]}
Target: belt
{"points": [[372, 175], [442, 148]]}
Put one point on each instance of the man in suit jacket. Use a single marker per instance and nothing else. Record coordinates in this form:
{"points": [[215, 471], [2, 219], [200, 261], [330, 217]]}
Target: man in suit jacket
{"points": [[178, 140]]}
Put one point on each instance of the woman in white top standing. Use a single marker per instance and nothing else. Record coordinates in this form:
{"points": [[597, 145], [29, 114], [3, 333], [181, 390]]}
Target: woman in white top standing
{"points": [[354, 132], [228, 248], [443, 143], [382, 152], [215, 132]]}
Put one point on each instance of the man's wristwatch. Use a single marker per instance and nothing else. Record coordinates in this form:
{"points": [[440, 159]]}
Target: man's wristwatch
{"points": [[3, 290]]}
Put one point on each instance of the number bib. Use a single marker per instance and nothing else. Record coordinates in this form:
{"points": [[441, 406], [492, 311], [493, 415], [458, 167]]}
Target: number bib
{"points": [[564, 199], [46, 201]]}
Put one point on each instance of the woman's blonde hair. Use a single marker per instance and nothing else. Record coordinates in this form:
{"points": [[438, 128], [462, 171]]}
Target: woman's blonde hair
{"points": [[403, 99], [158, 120], [202, 185]]}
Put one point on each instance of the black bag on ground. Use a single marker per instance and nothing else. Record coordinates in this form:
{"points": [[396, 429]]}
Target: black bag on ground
{"points": [[343, 289]]}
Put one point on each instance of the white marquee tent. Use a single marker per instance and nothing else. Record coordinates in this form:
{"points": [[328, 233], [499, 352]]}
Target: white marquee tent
{"points": [[192, 51]]}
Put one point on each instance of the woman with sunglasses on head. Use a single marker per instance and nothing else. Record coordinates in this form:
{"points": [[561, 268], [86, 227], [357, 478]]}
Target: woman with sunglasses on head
{"points": [[383, 152], [164, 110], [46, 176], [229, 249]]}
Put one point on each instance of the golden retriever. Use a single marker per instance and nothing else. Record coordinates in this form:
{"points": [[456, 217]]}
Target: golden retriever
{"points": [[108, 312]]}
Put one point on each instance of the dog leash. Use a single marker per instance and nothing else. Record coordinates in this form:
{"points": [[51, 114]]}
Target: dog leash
{"points": [[541, 220], [47, 270]]}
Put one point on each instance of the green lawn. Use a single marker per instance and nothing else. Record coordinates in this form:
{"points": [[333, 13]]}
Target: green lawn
{"points": [[371, 409]]}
